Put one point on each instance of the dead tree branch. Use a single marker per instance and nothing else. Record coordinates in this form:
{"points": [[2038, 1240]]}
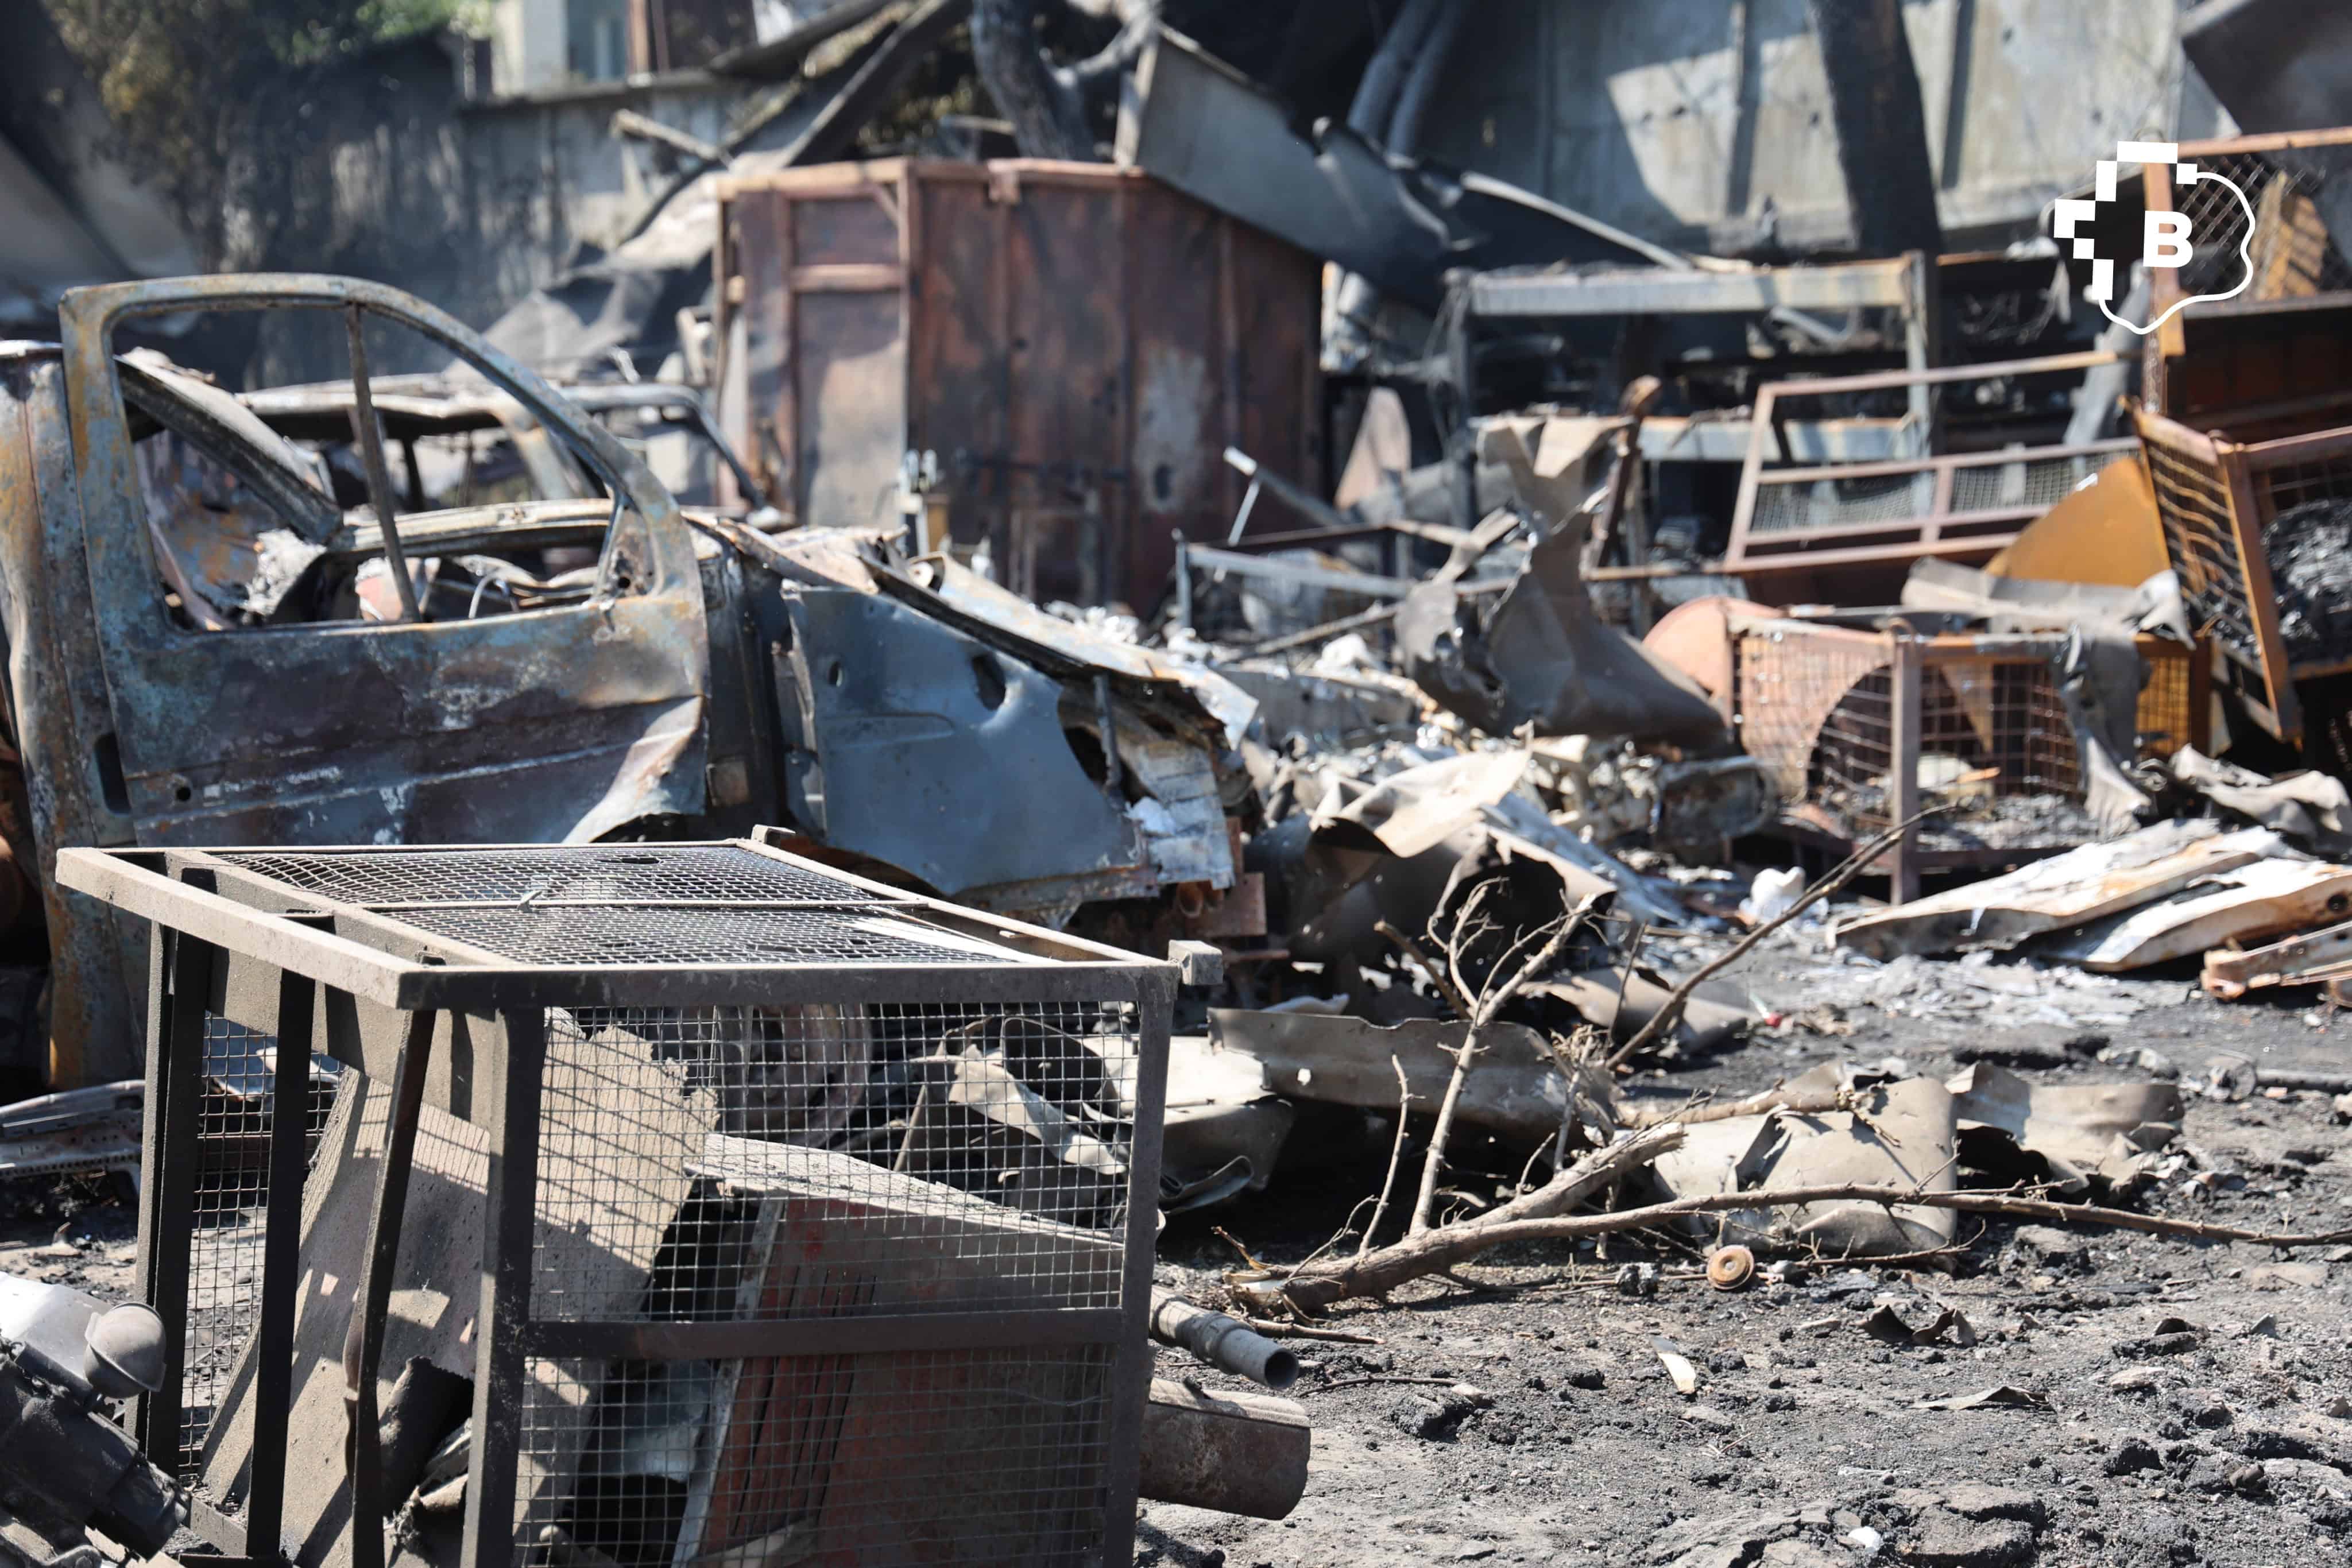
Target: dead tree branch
{"points": [[1379, 1272], [1777, 1098], [1433, 1251], [1431, 966], [1490, 1002], [1396, 1157]]}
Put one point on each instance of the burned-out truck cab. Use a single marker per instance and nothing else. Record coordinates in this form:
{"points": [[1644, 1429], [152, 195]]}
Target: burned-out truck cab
{"points": [[206, 647]]}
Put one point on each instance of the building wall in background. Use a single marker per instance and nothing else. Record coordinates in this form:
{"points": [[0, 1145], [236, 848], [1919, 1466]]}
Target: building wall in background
{"points": [[382, 170], [527, 45], [1681, 119]]}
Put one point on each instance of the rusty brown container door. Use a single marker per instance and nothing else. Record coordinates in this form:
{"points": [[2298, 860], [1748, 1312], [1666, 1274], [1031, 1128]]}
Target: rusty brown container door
{"points": [[1076, 343]]}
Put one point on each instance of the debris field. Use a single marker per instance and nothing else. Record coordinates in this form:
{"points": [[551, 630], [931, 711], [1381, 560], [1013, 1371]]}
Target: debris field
{"points": [[1069, 783]]}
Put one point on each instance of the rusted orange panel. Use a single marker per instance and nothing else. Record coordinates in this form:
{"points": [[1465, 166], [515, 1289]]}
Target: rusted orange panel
{"points": [[2106, 533], [1696, 638]]}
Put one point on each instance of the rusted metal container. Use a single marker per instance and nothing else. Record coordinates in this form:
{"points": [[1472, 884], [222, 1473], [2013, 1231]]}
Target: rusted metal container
{"points": [[1076, 343]]}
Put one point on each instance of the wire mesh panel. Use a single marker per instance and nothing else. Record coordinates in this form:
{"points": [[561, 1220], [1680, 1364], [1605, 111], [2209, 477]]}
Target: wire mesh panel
{"points": [[1793, 691], [962, 1159], [941, 1457], [553, 874], [236, 1112], [1995, 744], [2287, 246], [2200, 534]]}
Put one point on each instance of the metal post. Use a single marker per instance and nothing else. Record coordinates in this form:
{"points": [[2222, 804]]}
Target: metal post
{"points": [[1155, 1002], [1922, 303], [374, 1298], [289, 1116], [1183, 583], [370, 439], [180, 973], [500, 1362], [1903, 763]]}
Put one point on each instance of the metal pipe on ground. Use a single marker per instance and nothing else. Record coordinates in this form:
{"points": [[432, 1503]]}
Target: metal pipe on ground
{"points": [[1235, 1453], [1225, 1343]]}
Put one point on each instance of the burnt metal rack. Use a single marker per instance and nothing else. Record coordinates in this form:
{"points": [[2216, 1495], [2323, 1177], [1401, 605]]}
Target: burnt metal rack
{"points": [[1841, 719], [774, 1214]]}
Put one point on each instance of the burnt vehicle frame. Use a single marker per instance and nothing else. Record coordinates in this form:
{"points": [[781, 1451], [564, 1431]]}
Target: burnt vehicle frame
{"points": [[676, 694]]}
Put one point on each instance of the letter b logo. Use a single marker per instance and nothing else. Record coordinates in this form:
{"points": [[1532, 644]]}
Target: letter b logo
{"points": [[2164, 240]]}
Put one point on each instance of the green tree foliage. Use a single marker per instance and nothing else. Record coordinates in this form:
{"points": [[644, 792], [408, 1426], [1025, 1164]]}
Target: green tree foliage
{"points": [[180, 78]]}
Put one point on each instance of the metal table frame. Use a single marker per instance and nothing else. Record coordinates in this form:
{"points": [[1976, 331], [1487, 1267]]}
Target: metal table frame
{"points": [[464, 1029]]}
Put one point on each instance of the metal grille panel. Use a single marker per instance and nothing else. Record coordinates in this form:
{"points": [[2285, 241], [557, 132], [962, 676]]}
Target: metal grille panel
{"points": [[2192, 501], [235, 1113], [979, 1457], [2039, 483], [1784, 508], [556, 874], [657, 934], [956, 1159]]}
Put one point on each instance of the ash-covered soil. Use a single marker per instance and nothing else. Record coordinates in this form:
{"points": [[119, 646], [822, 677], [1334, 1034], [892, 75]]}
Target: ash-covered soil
{"points": [[82, 1232], [2190, 1402]]}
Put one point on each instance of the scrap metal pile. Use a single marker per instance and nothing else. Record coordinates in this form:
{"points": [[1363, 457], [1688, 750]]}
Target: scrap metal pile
{"points": [[1871, 613]]}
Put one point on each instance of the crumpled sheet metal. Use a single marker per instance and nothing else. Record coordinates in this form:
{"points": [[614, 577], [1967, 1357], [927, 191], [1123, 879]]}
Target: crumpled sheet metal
{"points": [[1224, 1130], [2062, 891], [969, 598], [1623, 1004], [1514, 1089], [1543, 657], [2313, 808], [2083, 1132], [1903, 1134], [1420, 808]]}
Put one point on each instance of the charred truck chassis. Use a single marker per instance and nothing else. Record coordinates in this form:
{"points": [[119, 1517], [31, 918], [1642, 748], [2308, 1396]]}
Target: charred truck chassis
{"points": [[667, 703]]}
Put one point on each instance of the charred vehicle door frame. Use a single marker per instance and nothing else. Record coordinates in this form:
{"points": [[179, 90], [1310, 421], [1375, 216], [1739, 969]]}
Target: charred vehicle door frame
{"points": [[407, 731]]}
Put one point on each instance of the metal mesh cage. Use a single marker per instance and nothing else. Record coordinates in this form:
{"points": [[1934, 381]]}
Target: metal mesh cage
{"points": [[2289, 247], [806, 1210], [1817, 710], [2258, 534]]}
